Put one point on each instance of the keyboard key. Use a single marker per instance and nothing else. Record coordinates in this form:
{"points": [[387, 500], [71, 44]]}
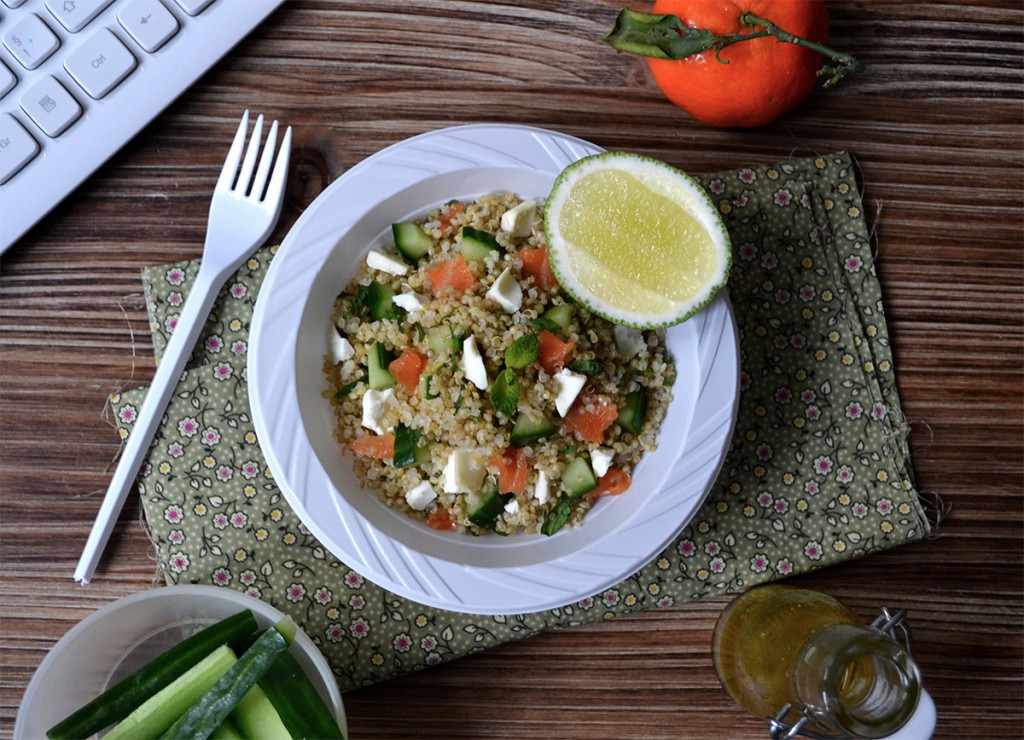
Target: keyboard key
{"points": [[50, 106], [193, 7], [75, 15], [14, 3], [31, 41], [17, 147], [148, 22], [7, 80], [100, 63]]}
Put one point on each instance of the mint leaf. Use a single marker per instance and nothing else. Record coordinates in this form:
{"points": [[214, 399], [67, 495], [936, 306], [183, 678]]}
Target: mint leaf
{"points": [[505, 393], [522, 352], [587, 367], [557, 517], [456, 348], [542, 322], [359, 299], [349, 387]]}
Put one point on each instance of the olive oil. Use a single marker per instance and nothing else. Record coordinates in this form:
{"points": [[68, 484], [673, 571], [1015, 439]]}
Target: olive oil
{"points": [[778, 645]]}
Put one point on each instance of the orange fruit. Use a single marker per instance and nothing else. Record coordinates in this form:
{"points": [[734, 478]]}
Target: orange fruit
{"points": [[764, 77]]}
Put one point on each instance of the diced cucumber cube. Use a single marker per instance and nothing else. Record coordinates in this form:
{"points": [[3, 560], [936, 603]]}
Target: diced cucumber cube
{"points": [[411, 240], [478, 245], [632, 411], [530, 426], [484, 506], [578, 477]]}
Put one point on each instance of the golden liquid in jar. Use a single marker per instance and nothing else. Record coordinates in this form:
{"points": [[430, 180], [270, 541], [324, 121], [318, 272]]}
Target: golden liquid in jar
{"points": [[759, 639]]}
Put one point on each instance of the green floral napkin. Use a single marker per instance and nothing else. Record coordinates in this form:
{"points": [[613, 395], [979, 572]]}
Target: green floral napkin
{"points": [[817, 473]]}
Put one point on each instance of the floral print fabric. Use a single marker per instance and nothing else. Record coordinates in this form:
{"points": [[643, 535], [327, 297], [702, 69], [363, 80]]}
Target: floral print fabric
{"points": [[817, 472]]}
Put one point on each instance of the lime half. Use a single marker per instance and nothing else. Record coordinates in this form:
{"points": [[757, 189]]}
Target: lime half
{"points": [[635, 240]]}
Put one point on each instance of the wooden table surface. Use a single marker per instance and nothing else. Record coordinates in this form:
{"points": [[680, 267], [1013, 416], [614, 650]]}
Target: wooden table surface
{"points": [[937, 127]]}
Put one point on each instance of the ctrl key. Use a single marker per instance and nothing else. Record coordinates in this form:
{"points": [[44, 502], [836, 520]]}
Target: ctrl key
{"points": [[17, 147]]}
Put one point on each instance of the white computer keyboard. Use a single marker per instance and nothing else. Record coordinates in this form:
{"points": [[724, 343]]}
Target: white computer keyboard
{"points": [[79, 78]]}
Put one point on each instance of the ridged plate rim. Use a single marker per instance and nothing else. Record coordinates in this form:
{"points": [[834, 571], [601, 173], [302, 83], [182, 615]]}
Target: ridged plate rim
{"points": [[467, 576]]}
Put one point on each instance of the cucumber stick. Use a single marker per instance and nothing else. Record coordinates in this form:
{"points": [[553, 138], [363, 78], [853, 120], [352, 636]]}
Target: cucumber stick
{"points": [[216, 703], [227, 730], [161, 710], [255, 716], [297, 702], [123, 698]]}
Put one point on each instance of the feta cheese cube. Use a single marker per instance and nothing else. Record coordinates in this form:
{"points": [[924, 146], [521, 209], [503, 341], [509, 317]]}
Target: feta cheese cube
{"points": [[600, 461], [411, 302], [419, 498], [541, 491], [569, 386], [512, 507], [629, 341], [518, 221], [506, 291], [473, 364], [386, 263], [463, 473], [375, 406], [339, 347]]}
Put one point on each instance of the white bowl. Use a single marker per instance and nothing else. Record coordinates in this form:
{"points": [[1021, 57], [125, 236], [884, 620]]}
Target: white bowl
{"points": [[294, 423], [123, 636]]}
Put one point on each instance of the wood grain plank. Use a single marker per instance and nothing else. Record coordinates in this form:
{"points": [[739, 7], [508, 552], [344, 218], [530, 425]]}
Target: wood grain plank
{"points": [[937, 131]]}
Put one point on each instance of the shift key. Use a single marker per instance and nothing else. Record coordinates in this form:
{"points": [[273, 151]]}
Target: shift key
{"points": [[17, 147]]}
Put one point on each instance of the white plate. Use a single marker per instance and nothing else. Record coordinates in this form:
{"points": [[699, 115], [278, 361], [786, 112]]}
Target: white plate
{"points": [[484, 575], [120, 638]]}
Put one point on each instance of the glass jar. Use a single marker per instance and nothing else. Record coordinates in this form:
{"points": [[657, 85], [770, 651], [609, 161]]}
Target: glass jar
{"points": [[776, 645]]}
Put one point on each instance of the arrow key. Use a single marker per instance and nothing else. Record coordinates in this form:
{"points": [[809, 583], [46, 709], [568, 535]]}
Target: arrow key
{"points": [[148, 22], [75, 15]]}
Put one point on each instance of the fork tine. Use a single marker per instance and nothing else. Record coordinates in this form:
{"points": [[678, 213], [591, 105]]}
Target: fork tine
{"points": [[260, 180], [227, 172], [277, 178], [250, 156]]}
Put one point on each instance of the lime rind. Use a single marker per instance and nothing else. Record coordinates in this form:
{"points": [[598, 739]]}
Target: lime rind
{"points": [[654, 174]]}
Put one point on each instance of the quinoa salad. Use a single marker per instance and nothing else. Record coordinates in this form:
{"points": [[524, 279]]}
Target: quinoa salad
{"points": [[473, 394]]}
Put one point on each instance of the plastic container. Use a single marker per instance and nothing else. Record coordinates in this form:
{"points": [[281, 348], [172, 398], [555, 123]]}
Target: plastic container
{"points": [[123, 636]]}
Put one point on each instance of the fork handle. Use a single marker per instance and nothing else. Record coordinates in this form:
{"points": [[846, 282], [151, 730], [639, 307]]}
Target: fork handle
{"points": [[179, 348]]}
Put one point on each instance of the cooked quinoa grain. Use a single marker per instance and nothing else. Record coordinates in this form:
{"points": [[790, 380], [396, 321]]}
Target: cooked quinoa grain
{"points": [[424, 420]]}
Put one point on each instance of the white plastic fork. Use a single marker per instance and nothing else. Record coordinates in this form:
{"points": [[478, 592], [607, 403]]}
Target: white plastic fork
{"points": [[241, 217]]}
